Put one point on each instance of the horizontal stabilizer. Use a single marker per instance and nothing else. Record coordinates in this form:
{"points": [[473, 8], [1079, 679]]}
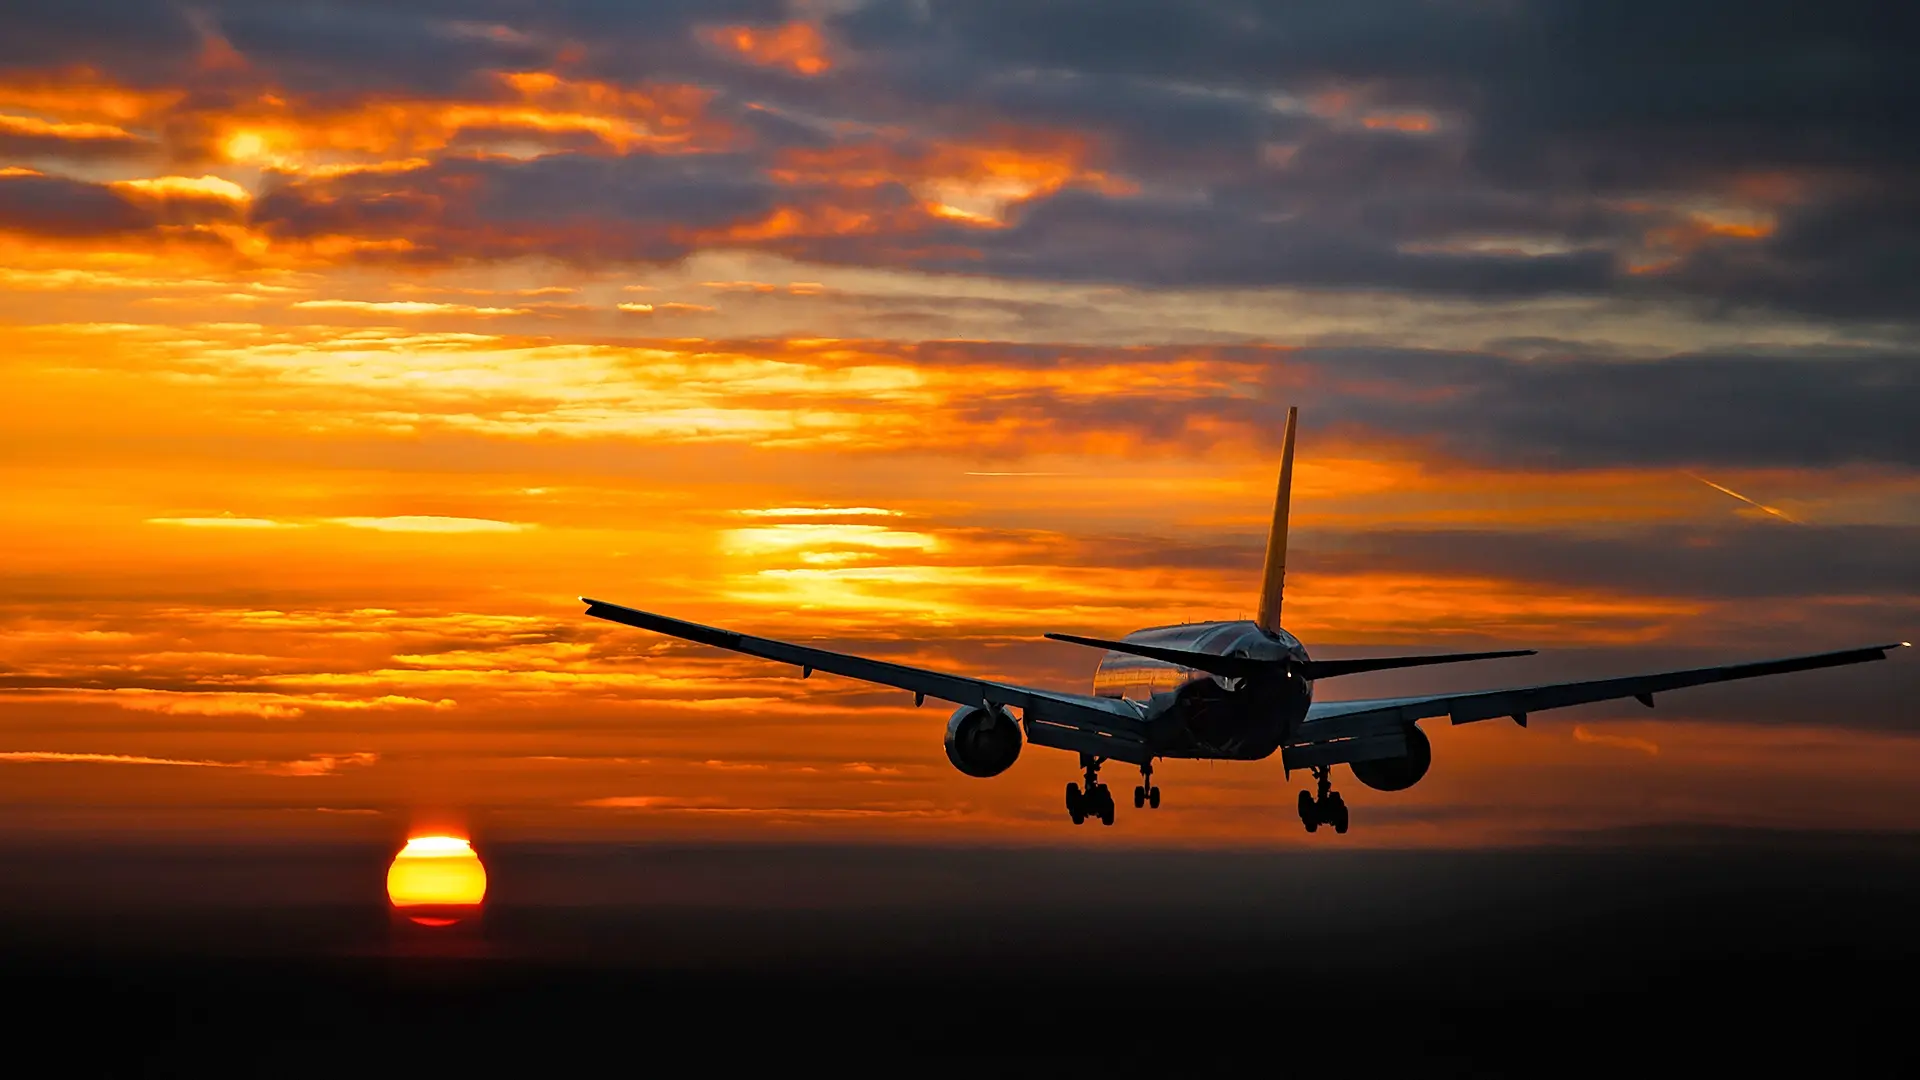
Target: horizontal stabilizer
{"points": [[1232, 667], [1242, 667]]}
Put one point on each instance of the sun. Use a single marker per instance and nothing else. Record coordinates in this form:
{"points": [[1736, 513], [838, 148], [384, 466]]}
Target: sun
{"points": [[436, 873]]}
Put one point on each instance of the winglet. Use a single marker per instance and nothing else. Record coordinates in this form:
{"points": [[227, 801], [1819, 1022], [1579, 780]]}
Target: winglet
{"points": [[1273, 580]]}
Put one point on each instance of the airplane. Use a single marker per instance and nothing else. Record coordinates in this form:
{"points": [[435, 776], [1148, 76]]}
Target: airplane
{"points": [[1232, 691]]}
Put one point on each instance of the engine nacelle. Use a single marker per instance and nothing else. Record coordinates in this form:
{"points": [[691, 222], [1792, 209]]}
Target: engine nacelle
{"points": [[982, 742], [1398, 773]]}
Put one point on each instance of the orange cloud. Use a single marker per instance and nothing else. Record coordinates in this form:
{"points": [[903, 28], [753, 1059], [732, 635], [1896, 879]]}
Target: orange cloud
{"points": [[1664, 246], [297, 137], [84, 94], [1412, 123], [1623, 742], [798, 47], [973, 182], [34, 128], [164, 188], [314, 765]]}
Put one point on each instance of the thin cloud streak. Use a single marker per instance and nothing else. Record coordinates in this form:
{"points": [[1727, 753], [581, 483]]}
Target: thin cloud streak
{"points": [[1582, 734], [430, 523], [312, 765]]}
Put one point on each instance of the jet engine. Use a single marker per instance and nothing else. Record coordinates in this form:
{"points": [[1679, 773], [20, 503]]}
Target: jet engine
{"points": [[982, 742], [1398, 773]]}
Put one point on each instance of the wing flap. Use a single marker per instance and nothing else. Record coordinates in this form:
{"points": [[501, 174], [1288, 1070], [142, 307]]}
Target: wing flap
{"points": [[1079, 740]]}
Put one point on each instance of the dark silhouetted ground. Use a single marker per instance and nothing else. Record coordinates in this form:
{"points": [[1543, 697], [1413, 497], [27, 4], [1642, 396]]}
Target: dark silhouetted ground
{"points": [[1626, 952]]}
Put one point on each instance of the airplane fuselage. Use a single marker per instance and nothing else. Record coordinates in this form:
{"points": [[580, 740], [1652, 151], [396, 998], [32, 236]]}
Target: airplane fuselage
{"points": [[1198, 715]]}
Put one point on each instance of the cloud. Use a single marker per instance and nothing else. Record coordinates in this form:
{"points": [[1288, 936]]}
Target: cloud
{"points": [[57, 757], [430, 523], [262, 703], [312, 765], [819, 511], [1523, 149], [668, 804], [31, 137], [224, 521], [1727, 562], [315, 764], [405, 307], [1622, 742], [797, 46]]}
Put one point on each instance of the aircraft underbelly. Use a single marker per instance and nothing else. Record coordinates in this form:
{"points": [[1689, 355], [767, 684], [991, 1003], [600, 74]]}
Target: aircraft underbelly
{"points": [[1207, 720]]}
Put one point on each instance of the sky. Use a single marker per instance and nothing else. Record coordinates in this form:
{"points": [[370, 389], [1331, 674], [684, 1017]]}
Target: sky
{"points": [[346, 344]]}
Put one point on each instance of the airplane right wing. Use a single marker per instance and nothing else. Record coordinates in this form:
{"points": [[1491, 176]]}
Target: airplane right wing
{"points": [[1337, 732], [1105, 727]]}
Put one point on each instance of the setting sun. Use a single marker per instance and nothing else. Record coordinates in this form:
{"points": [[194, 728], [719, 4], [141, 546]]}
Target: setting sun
{"points": [[436, 872]]}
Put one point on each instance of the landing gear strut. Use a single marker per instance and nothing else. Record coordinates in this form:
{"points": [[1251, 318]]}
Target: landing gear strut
{"points": [[1325, 807], [1096, 801], [1146, 794]]}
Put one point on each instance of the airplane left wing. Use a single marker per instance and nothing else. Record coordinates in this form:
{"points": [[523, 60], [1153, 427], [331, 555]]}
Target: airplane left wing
{"points": [[1106, 727], [1335, 732]]}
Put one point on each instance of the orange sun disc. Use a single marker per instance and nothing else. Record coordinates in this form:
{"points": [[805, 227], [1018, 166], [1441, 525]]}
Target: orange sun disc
{"points": [[436, 872]]}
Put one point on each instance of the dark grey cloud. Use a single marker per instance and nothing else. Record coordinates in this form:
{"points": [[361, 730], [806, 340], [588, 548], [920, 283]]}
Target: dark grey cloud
{"points": [[55, 206], [45, 146], [1759, 560], [1810, 409], [1086, 236], [1762, 560], [358, 49], [1593, 138], [1546, 406], [138, 38], [591, 206], [1556, 113]]}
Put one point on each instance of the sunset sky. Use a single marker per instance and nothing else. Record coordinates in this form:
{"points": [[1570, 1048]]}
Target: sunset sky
{"points": [[345, 344]]}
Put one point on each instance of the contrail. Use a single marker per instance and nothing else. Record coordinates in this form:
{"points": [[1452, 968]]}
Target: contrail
{"points": [[1774, 510]]}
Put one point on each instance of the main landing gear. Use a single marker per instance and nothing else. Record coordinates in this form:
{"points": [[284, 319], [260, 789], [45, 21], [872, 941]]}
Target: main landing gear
{"points": [[1096, 801], [1145, 793], [1325, 808]]}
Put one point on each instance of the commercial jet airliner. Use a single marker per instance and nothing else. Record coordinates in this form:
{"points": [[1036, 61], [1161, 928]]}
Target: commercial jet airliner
{"points": [[1234, 691]]}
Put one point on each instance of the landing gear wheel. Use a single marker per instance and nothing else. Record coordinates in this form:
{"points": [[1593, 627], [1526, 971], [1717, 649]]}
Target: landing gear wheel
{"points": [[1096, 801], [1309, 813], [1336, 813], [1146, 794]]}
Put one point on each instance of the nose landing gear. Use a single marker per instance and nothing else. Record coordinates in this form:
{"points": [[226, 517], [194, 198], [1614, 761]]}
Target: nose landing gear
{"points": [[1326, 807], [1096, 801]]}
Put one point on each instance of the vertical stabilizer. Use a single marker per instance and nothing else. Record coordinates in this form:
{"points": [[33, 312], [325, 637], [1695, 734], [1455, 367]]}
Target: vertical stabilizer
{"points": [[1273, 581]]}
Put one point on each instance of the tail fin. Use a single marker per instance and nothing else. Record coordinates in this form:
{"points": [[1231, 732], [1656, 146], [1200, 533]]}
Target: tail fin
{"points": [[1273, 582]]}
